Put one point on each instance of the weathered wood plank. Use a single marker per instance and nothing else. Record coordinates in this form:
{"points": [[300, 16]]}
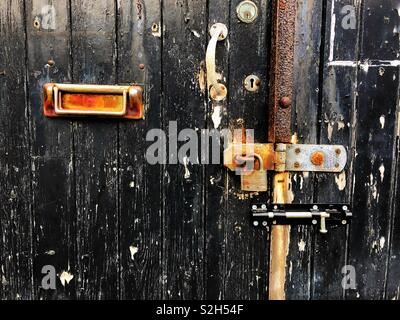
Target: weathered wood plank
{"points": [[339, 97], [184, 40], [375, 123], [96, 154], [393, 277], [305, 126], [52, 170], [139, 61], [246, 249], [15, 178], [215, 176]]}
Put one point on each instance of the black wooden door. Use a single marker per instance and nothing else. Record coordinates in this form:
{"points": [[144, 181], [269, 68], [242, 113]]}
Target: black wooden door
{"points": [[79, 195]]}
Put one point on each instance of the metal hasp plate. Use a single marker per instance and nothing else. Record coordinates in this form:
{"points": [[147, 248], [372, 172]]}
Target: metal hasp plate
{"points": [[315, 158], [286, 157], [324, 215], [69, 100]]}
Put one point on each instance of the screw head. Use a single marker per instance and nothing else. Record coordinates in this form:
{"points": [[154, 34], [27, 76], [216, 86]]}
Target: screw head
{"points": [[344, 222], [314, 222], [141, 66], [317, 158], [315, 207], [338, 151], [255, 223], [297, 150], [345, 208], [297, 165], [285, 102], [254, 207], [264, 207], [51, 62], [265, 224]]}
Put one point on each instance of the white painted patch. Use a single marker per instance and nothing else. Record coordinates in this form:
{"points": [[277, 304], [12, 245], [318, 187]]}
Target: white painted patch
{"points": [[216, 116], [341, 181], [382, 171], [302, 246], [382, 120], [48, 18], [133, 251], [366, 65], [66, 277], [186, 163], [342, 63]]}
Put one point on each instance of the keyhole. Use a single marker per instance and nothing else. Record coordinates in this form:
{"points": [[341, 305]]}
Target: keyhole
{"points": [[252, 83]]}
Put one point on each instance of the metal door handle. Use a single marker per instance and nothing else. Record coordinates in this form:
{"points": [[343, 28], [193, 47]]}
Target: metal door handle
{"points": [[93, 100], [217, 90]]}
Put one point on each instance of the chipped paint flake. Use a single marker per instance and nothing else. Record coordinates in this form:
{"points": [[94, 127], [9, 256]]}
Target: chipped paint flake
{"points": [[66, 277], [341, 181], [302, 246], [382, 242], [382, 121], [186, 163], [134, 250], [216, 116], [382, 171], [330, 130], [196, 33]]}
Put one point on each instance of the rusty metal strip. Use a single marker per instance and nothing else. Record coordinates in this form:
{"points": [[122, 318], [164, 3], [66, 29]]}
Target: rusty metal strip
{"points": [[281, 77], [280, 112]]}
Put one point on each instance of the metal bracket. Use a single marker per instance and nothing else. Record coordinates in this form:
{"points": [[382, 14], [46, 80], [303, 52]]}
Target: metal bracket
{"points": [[266, 215]]}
